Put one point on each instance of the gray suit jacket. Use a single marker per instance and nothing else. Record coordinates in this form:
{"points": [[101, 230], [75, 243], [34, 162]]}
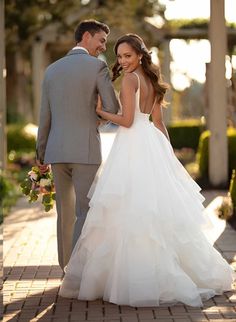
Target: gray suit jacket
{"points": [[68, 120]]}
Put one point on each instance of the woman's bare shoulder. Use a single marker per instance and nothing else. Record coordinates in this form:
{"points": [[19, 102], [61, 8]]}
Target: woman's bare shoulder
{"points": [[130, 80]]}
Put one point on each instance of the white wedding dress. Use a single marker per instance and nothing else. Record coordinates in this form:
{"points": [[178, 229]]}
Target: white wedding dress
{"points": [[145, 239]]}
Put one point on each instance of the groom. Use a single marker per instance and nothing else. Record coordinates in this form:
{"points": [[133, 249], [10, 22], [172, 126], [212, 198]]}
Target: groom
{"points": [[68, 138]]}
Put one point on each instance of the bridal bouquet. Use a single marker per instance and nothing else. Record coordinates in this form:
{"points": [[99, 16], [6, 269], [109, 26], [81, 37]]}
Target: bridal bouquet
{"points": [[39, 183]]}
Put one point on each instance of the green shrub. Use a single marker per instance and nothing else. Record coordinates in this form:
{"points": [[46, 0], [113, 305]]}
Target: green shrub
{"points": [[203, 155], [232, 189], [185, 133], [8, 195], [232, 148], [232, 192], [18, 140]]}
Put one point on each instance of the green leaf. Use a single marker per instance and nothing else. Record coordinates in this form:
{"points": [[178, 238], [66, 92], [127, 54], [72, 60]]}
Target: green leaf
{"points": [[33, 196], [34, 192], [46, 198], [26, 184], [26, 191], [22, 185], [35, 169], [47, 207]]}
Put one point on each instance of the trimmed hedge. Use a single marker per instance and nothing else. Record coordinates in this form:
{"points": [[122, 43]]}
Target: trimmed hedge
{"points": [[18, 140], [185, 133], [202, 154], [232, 190]]}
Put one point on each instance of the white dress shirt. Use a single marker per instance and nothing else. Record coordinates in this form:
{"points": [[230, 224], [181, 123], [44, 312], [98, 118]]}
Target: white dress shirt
{"points": [[82, 48]]}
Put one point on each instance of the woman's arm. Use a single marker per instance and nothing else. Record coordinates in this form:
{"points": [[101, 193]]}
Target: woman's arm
{"points": [[157, 118], [127, 97], [106, 90]]}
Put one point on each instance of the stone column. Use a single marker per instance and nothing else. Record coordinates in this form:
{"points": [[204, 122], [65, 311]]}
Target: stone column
{"points": [[3, 139], [37, 75], [218, 154], [23, 102], [165, 70]]}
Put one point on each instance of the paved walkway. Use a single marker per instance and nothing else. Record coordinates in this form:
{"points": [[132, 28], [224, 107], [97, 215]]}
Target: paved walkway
{"points": [[32, 278]]}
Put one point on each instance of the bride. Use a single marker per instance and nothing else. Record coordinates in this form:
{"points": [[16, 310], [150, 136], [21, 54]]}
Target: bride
{"points": [[145, 239]]}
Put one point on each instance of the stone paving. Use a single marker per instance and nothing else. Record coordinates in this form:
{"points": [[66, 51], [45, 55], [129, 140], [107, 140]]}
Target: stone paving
{"points": [[32, 278]]}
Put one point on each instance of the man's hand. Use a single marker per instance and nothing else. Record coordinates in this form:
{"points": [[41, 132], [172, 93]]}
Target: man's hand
{"points": [[42, 167]]}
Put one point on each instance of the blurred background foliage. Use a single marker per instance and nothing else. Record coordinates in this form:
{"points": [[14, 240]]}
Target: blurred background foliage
{"points": [[25, 18]]}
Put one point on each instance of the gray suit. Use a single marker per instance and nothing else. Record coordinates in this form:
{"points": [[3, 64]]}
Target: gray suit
{"points": [[68, 137]]}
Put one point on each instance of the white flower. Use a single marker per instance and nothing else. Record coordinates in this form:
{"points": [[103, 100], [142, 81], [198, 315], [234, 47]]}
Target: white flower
{"points": [[45, 182], [33, 175]]}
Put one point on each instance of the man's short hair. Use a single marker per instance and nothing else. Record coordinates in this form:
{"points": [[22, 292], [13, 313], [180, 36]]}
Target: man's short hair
{"points": [[92, 26]]}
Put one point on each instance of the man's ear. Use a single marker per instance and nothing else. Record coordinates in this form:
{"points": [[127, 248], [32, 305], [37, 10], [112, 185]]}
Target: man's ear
{"points": [[86, 36]]}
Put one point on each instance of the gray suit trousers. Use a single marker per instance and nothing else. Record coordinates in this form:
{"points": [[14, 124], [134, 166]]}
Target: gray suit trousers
{"points": [[72, 183]]}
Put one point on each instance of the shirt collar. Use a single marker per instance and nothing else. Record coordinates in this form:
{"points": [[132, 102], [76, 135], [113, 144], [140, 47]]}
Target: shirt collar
{"points": [[80, 47]]}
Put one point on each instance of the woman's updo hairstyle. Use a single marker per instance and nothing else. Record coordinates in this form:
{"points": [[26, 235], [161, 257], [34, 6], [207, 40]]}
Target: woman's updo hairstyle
{"points": [[152, 71]]}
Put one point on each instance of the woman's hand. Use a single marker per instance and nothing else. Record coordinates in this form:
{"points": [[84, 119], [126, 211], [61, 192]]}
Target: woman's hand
{"points": [[99, 106]]}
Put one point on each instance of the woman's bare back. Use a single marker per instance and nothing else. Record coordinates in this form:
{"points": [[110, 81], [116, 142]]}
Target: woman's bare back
{"points": [[147, 95]]}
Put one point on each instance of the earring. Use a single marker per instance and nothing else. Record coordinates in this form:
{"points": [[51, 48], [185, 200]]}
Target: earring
{"points": [[140, 62]]}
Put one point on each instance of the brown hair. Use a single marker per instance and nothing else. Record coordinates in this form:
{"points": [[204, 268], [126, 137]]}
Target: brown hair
{"points": [[152, 71], [92, 26]]}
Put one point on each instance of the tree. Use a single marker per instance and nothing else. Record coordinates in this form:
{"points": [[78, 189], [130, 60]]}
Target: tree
{"points": [[26, 19], [127, 16]]}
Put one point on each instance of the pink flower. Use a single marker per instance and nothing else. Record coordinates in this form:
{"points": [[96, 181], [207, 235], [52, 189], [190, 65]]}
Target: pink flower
{"points": [[33, 175]]}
